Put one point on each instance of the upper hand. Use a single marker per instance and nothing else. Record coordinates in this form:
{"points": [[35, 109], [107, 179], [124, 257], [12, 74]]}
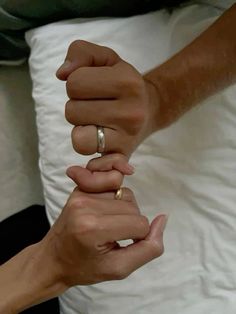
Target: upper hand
{"points": [[105, 90]]}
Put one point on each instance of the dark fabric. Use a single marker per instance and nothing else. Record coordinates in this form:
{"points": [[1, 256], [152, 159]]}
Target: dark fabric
{"points": [[20, 230], [17, 16]]}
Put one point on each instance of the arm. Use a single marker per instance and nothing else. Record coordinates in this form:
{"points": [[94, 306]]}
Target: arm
{"points": [[27, 279], [131, 106], [198, 71], [81, 247]]}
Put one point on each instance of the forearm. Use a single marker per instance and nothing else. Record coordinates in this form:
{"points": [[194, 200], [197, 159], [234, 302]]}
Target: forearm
{"points": [[27, 279], [201, 69]]}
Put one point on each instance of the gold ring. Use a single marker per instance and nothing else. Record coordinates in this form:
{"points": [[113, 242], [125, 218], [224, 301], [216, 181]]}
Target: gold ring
{"points": [[118, 194]]}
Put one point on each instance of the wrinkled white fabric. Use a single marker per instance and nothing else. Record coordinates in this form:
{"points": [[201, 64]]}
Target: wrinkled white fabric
{"points": [[187, 170], [20, 184], [221, 4]]}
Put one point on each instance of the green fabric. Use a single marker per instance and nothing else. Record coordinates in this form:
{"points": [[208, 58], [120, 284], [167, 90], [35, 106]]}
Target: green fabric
{"points": [[17, 16]]}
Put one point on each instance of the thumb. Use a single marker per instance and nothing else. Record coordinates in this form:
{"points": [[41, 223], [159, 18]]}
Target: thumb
{"points": [[156, 230], [85, 54], [141, 252]]}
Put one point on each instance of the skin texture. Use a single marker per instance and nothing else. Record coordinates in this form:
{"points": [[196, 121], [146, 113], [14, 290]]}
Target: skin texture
{"points": [[101, 174], [81, 249], [105, 90], [130, 107]]}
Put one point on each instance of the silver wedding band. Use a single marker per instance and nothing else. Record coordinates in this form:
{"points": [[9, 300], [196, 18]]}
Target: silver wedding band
{"points": [[100, 139]]}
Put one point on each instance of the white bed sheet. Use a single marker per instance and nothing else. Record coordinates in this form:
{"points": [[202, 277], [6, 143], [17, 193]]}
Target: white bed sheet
{"points": [[20, 184], [187, 170]]}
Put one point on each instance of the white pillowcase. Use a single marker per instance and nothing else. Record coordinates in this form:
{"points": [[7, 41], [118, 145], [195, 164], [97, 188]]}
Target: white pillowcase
{"points": [[187, 170], [20, 184]]}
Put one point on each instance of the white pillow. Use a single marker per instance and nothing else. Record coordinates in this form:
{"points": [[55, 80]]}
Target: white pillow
{"points": [[20, 184], [187, 170]]}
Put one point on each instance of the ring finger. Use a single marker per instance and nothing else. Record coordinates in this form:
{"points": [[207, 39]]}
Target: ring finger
{"points": [[85, 141], [127, 195]]}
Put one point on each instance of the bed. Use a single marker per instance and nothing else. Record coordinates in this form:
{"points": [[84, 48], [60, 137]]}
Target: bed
{"points": [[187, 170], [20, 183]]}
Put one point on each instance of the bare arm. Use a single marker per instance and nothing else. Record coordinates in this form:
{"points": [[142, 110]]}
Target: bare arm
{"points": [[201, 69], [27, 279], [81, 248], [132, 106]]}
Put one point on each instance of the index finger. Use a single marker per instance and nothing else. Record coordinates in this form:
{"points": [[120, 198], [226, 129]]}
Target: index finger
{"points": [[82, 53], [126, 260]]}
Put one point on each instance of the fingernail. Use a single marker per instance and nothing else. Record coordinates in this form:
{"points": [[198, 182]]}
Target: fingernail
{"points": [[162, 222], [70, 172], [66, 65], [157, 227], [130, 168]]}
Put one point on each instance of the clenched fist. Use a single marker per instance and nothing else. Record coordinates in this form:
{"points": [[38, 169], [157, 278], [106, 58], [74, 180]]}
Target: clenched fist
{"points": [[106, 91]]}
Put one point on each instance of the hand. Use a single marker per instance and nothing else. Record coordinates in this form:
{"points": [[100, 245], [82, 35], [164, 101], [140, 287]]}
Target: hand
{"points": [[82, 243], [81, 248], [101, 174], [105, 90]]}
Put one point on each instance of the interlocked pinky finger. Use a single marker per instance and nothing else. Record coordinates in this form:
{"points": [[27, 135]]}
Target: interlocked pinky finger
{"points": [[97, 181], [110, 162]]}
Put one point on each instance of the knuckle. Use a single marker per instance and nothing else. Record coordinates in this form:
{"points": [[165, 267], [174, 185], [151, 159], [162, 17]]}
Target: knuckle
{"points": [[144, 223], [76, 44], [159, 249], [156, 248], [91, 163], [110, 52], [71, 85], [79, 141], [79, 202], [135, 118], [75, 140], [129, 194], [119, 157], [134, 209], [115, 179], [68, 111], [119, 273], [80, 148], [87, 224], [74, 83], [81, 42], [138, 116]]}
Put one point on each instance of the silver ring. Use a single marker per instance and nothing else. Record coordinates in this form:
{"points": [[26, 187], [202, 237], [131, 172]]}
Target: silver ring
{"points": [[101, 139]]}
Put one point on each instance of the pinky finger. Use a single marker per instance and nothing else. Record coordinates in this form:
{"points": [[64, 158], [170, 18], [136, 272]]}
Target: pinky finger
{"points": [[96, 181], [111, 162]]}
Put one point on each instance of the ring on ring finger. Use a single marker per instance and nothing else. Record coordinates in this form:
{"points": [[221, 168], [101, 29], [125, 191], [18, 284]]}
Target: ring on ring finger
{"points": [[118, 194], [100, 139]]}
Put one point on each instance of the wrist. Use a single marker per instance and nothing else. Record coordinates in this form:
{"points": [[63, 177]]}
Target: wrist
{"points": [[169, 102], [154, 121], [27, 279], [198, 71]]}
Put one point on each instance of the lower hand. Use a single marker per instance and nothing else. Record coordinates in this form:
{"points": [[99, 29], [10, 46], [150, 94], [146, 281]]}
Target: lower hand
{"points": [[82, 243]]}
